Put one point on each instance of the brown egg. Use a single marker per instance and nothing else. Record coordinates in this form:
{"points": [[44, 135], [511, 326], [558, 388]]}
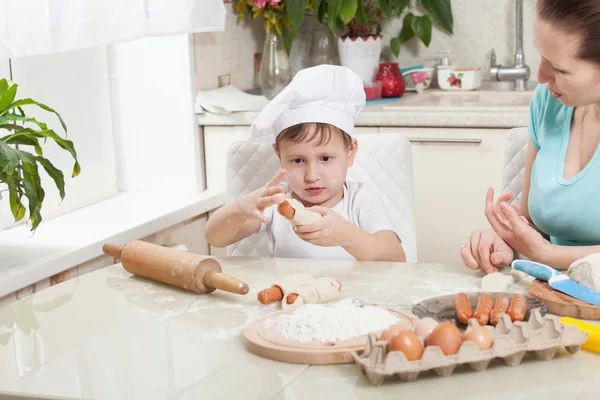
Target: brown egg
{"points": [[424, 327], [391, 331], [408, 343], [480, 335], [447, 337]]}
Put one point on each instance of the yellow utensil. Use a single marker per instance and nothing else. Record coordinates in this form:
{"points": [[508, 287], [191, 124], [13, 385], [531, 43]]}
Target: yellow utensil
{"points": [[593, 331]]}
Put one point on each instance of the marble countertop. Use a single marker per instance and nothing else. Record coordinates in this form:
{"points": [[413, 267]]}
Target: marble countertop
{"points": [[480, 108], [110, 335]]}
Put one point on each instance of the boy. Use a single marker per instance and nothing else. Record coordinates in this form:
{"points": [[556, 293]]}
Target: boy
{"points": [[312, 123]]}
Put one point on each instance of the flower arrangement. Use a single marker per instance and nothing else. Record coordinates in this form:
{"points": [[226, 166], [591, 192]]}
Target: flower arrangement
{"points": [[285, 16]]}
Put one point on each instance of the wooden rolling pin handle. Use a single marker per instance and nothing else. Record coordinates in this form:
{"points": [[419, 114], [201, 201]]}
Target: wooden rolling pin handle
{"points": [[224, 282], [113, 250]]}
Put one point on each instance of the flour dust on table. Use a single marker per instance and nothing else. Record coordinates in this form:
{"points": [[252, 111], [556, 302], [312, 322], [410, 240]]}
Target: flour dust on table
{"points": [[330, 323]]}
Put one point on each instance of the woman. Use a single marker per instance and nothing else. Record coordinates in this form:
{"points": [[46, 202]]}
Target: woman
{"points": [[558, 220]]}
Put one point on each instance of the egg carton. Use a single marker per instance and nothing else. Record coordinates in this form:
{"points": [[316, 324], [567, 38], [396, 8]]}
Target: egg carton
{"points": [[541, 336]]}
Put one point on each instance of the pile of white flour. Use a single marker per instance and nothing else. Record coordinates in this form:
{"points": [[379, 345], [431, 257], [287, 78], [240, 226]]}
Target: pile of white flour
{"points": [[329, 323]]}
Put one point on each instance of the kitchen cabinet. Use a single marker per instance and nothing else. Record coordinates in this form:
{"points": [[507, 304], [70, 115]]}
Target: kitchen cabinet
{"points": [[452, 170]]}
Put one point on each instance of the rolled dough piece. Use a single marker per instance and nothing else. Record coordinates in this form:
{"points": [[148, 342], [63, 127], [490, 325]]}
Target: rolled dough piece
{"points": [[290, 283], [327, 288], [308, 289], [586, 271], [496, 282], [302, 216]]}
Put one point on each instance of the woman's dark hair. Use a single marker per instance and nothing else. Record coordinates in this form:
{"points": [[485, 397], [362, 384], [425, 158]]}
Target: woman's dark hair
{"points": [[581, 17]]}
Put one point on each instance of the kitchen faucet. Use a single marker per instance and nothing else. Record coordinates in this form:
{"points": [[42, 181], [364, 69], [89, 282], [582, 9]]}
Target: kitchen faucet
{"points": [[519, 73]]}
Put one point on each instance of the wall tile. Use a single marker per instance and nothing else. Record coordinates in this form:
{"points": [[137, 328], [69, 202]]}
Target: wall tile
{"points": [[26, 291], [63, 276]]}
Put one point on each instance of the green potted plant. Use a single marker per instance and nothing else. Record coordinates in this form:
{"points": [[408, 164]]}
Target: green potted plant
{"points": [[19, 169], [358, 25]]}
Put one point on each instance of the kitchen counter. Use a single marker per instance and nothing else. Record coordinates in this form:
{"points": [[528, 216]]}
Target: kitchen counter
{"points": [[482, 108], [110, 335]]}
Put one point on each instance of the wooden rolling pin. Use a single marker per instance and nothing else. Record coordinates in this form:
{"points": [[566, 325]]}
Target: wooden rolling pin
{"points": [[200, 274]]}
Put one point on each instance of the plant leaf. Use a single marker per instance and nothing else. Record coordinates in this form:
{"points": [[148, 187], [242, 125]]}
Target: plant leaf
{"points": [[422, 28], [296, 10], [34, 201], [316, 4], [348, 10], [407, 32], [10, 117], [25, 140], [386, 7], [333, 11], [441, 12], [288, 37], [17, 209], [322, 11], [3, 86], [361, 15], [63, 143], [25, 102], [7, 98], [400, 6], [395, 46], [54, 173]]}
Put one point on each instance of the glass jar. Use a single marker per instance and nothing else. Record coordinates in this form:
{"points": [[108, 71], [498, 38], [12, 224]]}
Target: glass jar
{"points": [[274, 72], [322, 47], [392, 81]]}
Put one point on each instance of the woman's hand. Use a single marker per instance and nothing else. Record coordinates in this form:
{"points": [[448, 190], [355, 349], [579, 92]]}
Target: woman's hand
{"points": [[486, 250], [513, 228], [329, 231]]}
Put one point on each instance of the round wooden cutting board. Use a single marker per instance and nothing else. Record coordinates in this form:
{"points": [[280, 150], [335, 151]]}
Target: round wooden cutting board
{"points": [[562, 304], [265, 344]]}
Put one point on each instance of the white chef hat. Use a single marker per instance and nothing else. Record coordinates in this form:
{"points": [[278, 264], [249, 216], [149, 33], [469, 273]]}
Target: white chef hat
{"points": [[326, 93]]}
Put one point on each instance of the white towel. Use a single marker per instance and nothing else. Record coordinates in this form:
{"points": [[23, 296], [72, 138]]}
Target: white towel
{"points": [[228, 99]]}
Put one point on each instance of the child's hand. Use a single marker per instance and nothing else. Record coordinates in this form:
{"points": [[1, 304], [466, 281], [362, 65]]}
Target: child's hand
{"points": [[252, 205], [328, 231]]}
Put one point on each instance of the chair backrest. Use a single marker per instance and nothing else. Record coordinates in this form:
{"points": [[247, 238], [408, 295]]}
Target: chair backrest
{"points": [[383, 159], [515, 152]]}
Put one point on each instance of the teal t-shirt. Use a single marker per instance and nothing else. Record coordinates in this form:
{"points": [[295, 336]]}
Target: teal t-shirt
{"points": [[568, 210]]}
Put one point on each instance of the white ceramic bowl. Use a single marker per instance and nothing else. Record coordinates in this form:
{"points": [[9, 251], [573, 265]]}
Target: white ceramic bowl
{"points": [[452, 78]]}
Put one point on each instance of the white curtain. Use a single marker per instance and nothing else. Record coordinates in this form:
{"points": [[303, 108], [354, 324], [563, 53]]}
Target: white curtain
{"points": [[33, 27]]}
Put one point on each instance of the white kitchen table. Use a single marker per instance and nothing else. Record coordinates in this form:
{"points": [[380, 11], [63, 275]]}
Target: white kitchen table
{"points": [[111, 335]]}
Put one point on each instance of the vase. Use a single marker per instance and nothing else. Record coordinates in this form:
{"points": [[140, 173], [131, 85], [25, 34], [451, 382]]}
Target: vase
{"points": [[322, 47], [392, 81], [361, 55], [274, 72]]}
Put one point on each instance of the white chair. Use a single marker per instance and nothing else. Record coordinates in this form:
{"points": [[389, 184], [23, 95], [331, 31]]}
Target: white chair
{"points": [[515, 152], [384, 159]]}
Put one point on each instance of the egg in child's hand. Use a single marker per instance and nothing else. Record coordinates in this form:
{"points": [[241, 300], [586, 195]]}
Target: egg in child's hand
{"points": [[425, 326], [408, 343], [480, 335], [447, 337], [391, 331]]}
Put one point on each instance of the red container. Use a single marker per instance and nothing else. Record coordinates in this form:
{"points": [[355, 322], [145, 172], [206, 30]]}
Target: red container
{"points": [[392, 81]]}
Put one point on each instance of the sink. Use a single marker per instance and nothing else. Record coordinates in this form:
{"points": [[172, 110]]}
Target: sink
{"points": [[492, 96]]}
